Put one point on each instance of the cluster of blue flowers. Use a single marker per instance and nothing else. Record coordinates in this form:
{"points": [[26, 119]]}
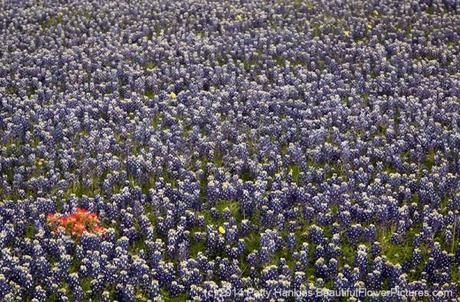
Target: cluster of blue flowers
{"points": [[250, 147]]}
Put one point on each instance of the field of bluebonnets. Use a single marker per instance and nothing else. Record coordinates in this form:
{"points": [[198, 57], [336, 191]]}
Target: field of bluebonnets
{"points": [[244, 147]]}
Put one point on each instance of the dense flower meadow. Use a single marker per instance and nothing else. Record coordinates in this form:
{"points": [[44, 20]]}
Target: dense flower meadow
{"points": [[229, 150]]}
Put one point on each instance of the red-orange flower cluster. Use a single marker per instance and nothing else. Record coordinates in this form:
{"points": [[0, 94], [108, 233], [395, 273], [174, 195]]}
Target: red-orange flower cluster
{"points": [[77, 223]]}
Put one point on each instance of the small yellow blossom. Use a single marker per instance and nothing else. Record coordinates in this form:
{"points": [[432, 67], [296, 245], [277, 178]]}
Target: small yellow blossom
{"points": [[221, 230], [346, 33], [173, 95], [239, 18], [40, 162]]}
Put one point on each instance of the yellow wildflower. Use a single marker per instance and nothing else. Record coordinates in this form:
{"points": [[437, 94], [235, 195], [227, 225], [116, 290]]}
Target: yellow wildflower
{"points": [[221, 230]]}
